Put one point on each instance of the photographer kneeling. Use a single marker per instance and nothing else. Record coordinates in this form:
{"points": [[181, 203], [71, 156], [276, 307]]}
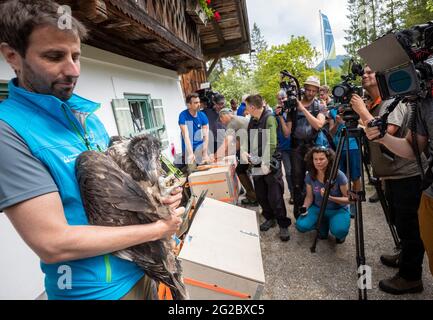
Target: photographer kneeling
{"points": [[319, 162]]}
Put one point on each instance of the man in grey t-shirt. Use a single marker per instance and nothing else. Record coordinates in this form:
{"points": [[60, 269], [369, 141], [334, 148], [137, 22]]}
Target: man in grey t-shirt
{"points": [[403, 147], [402, 192], [235, 142], [23, 175]]}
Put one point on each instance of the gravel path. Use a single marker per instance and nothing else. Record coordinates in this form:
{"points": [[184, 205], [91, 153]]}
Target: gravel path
{"points": [[292, 272]]}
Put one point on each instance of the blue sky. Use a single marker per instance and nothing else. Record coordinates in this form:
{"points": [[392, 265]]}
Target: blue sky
{"points": [[278, 19]]}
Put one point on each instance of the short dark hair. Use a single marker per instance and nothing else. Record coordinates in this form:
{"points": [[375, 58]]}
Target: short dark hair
{"points": [[19, 18], [255, 100], [191, 96]]}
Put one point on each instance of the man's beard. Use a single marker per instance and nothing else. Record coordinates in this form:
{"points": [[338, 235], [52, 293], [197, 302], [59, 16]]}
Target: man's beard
{"points": [[36, 83]]}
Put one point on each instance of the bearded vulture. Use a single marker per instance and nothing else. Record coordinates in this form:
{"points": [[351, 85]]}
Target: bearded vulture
{"points": [[123, 187]]}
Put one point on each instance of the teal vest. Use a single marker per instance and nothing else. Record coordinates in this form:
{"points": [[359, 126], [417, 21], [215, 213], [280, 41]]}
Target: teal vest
{"points": [[56, 132]]}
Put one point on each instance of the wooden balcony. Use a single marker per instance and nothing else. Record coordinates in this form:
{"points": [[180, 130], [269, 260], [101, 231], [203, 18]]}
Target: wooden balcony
{"points": [[158, 32]]}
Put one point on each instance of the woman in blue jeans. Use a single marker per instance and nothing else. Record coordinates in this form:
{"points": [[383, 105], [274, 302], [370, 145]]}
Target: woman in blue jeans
{"points": [[319, 162]]}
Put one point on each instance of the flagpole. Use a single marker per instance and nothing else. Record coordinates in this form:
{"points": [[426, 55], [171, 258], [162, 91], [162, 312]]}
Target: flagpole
{"points": [[323, 45]]}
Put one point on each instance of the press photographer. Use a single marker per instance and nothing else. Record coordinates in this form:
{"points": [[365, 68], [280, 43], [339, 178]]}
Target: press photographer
{"points": [[307, 121], [268, 182], [216, 128], [284, 141], [417, 45]]}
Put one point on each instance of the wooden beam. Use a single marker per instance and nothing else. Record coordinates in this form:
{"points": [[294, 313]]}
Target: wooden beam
{"points": [[236, 45], [218, 32], [94, 10], [213, 65], [244, 25], [145, 41], [131, 9]]}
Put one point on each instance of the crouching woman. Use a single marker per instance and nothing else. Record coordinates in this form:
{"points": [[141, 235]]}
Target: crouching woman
{"points": [[336, 219]]}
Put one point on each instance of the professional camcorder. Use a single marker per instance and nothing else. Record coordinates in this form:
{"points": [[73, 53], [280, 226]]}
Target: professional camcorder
{"points": [[207, 95], [406, 70], [290, 85], [344, 91]]}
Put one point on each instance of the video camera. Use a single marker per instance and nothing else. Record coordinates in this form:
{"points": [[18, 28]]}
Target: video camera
{"points": [[344, 91], [207, 95], [407, 68], [292, 89]]}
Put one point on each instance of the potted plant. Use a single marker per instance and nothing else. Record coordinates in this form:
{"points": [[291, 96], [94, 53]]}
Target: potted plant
{"points": [[201, 12]]}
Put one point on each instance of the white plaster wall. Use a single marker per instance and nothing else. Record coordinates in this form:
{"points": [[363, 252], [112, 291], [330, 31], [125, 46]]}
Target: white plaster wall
{"points": [[104, 76]]}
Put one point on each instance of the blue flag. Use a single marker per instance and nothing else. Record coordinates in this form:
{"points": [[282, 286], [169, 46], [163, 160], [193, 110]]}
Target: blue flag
{"points": [[329, 39]]}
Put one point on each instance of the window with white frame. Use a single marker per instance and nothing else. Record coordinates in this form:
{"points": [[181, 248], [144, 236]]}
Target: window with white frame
{"points": [[137, 114], [3, 91]]}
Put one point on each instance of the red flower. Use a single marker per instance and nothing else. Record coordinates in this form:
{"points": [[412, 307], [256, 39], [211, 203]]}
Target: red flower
{"points": [[217, 16], [208, 2]]}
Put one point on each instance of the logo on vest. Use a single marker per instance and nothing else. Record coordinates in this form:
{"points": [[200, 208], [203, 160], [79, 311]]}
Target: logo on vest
{"points": [[70, 158]]}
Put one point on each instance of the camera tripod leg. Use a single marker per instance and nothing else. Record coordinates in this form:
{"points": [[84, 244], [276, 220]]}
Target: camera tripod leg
{"points": [[384, 204], [359, 229], [358, 197], [378, 187], [329, 184], [360, 252]]}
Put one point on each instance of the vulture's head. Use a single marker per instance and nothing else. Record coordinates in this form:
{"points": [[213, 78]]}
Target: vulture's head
{"points": [[144, 151]]}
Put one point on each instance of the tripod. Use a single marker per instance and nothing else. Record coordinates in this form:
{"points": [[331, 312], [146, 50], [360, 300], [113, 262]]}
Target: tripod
{"points": [[377, 184], [358, 196]]}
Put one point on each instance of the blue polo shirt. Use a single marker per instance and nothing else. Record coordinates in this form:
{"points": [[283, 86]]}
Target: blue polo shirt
{"points": [[284, 143], [241, 109], [194, 125]]}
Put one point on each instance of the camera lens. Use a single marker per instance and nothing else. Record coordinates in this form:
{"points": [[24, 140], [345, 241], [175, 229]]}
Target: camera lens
{"points": [[339, 91]]}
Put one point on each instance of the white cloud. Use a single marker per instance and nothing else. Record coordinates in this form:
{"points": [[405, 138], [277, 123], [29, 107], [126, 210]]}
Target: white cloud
{"points": [[279, 19]]}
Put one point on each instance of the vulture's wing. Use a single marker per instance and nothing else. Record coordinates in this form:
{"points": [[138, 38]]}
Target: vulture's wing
{"points": [[110, 196]]}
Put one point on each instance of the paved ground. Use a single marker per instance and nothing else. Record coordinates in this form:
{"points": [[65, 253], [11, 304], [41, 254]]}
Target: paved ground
{"points": [[292, 272]]}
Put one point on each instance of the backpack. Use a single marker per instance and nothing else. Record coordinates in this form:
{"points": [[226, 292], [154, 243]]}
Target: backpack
{"points": [[303, 131]]}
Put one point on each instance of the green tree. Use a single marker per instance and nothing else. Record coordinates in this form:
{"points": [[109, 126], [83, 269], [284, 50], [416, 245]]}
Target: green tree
{"points": [[233, 85], [430, 5], [417, 12], [356, 35], [297, 57], [392, 15], [258, 43], [333, 76]]}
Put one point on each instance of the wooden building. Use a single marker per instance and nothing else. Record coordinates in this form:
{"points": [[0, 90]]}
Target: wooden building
{"points": [[141, 58]]}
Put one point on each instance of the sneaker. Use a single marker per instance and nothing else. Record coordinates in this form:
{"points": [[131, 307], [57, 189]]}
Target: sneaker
{"points": [[399, 285], [265, 226], [248, 202], [284, 234], [352, 210], [340, 241], [374, 198], [242, 191], [323, 237], [391, 260]]}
